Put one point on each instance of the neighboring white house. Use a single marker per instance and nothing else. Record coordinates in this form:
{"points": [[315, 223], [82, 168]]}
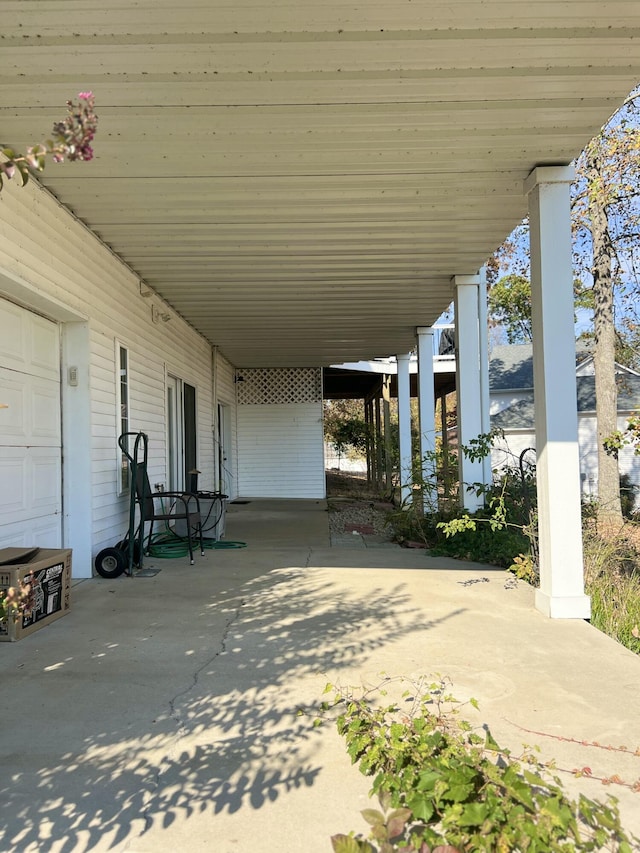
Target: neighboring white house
{"points": [[86, 352], [512, 410]]}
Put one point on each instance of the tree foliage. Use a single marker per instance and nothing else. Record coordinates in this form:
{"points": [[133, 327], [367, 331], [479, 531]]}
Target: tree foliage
{"points": [[344, 425], [607, 227], [510, 306]]}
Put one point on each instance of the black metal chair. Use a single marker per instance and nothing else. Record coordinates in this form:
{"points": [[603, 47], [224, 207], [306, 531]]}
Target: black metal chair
{"points": [[155, 506], [168, 507]]}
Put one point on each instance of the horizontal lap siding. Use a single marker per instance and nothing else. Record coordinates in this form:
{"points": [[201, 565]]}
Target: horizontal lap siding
{"points": [[588, 444], [42, 245], [280, 451], [506, 452], [517, 441], [225, 384], [628, 462]]}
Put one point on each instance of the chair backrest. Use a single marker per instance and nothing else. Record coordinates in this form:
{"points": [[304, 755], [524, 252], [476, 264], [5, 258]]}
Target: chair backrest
{"points": [[143, 491]]}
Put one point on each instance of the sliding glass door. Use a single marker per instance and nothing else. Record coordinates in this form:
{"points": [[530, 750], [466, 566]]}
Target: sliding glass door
{"points": [[181, 433]]}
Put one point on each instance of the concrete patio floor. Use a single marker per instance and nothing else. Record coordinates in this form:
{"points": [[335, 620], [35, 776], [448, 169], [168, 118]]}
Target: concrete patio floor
{"points": [[161, 714]]}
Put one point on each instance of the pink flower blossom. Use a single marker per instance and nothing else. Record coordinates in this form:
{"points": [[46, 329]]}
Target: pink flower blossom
{"points": [[72, 139]]}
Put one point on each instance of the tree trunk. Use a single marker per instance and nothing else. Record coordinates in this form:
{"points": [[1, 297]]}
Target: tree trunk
{"points": [[609, 509]]}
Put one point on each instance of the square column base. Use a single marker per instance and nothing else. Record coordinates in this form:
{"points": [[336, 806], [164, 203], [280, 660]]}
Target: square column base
{"points": [[563, 606]]}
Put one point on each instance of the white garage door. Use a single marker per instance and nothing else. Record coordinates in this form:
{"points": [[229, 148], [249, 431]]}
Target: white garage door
{"points": [[30, 442]]}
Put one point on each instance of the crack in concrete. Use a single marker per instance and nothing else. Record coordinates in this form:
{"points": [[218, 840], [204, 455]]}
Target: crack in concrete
{"points": [[182, 728]]}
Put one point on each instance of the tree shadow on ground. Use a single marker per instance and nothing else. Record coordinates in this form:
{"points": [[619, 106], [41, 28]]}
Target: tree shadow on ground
{"points": [[216, 729]]}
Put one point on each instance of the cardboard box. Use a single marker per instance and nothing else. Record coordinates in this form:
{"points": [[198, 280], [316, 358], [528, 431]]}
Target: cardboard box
{"points": [[50, 587]]}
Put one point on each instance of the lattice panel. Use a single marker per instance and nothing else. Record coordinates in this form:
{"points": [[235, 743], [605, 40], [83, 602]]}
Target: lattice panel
{"points": [[270, 386]]}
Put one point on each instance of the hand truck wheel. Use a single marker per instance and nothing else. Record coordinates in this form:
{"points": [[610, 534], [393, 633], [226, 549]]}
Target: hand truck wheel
{"points": [[110, 563]]}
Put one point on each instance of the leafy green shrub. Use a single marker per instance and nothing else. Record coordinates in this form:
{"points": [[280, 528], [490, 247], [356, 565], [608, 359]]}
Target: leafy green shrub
{"points": [[498, 546], [490, 535], [525, 568], [502, 533], [410, 524], [444, 788]]}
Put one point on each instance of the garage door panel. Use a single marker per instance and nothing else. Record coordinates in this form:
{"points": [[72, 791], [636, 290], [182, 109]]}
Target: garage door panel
{"points": [[30, 429], [43, 533], [32, 415], [44, 353], [29, 343], [14, 394], [31, 483], [14, 337], [14, 472], [45, 412], [44, 482]]}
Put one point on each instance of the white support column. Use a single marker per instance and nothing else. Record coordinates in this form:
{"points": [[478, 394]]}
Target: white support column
{"points": [[426, 409], [404, 426], [483, 329], [468, 382], [561, 592], [386, 420]]}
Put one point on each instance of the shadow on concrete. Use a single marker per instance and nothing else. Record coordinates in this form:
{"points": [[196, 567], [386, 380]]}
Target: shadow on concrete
{"points": [[160, 699]]}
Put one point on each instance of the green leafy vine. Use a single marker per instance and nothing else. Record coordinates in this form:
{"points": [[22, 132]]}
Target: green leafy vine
{"points": [[447, 787]]}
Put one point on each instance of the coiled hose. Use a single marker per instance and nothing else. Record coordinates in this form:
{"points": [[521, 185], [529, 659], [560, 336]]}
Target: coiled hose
{"points": [[169, 546]]}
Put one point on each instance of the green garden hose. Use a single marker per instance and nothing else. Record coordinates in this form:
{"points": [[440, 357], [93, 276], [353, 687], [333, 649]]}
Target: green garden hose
{"points": [[167, 547], [170, 546]]}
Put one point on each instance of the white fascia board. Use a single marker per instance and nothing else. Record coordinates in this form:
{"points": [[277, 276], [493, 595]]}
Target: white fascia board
{"points": [[391, 367], [378, 365], [381, 366]]}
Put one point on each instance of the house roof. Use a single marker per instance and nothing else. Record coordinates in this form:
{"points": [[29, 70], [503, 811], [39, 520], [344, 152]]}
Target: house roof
{"points": [[511, 366], [301, 180], [521, 415]]}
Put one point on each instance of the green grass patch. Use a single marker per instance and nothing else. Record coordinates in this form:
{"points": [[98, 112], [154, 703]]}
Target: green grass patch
{"points": [[612, 579]]}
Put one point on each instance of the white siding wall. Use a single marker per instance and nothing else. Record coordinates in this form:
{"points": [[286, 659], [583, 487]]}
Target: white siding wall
{"points": [[628, 462], [47, 250], [517, 440], [506, 453], [280, 450], [588, 448]]}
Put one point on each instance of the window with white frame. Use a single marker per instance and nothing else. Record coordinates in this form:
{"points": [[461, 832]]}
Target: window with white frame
{"points": [[122, 415]]}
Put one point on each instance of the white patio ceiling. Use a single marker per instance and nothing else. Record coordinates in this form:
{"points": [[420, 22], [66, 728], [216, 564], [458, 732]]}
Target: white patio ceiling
{"points": [[300, 179]]}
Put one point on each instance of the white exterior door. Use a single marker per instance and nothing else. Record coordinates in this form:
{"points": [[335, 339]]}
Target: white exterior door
{"points": [[223, 444], [30, 430]]}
